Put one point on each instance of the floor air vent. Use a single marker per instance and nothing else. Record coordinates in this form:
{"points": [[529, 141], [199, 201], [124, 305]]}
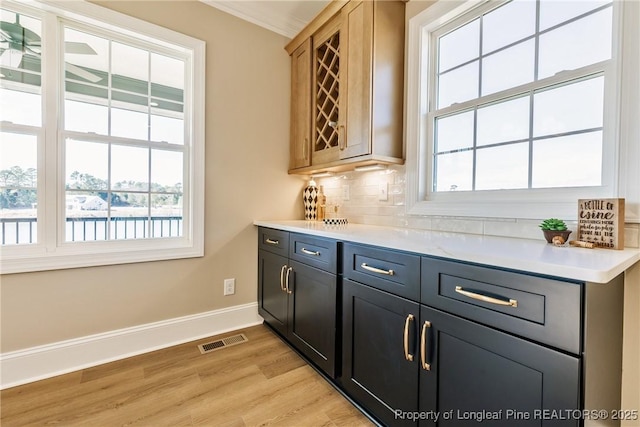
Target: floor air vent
{"points": [[225, 342]]}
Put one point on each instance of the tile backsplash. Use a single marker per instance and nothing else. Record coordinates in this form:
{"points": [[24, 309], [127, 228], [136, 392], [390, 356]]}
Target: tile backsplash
{"points": [[357, 195]]}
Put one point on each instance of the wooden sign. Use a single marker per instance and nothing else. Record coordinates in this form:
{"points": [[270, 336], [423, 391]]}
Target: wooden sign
{"points": [[601, 222]]}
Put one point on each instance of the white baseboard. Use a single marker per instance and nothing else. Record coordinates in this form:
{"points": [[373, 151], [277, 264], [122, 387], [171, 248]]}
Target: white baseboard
{"points": [[37, 363]]}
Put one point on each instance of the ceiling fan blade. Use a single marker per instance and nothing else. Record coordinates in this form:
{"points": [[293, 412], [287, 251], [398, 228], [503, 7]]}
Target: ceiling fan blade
{"points": [[10, 58], [73, 69], [16, 33], [79, 48]]}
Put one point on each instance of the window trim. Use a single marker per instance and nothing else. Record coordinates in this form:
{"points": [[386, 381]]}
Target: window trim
{"points": [[51, 252], [530, 203]]}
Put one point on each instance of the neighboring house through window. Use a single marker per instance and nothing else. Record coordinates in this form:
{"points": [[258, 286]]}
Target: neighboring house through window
{"points": [[102, 138]]}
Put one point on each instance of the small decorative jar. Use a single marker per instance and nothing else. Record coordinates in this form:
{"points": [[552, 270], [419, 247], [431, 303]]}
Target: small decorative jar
{"points": [[310, 200]]}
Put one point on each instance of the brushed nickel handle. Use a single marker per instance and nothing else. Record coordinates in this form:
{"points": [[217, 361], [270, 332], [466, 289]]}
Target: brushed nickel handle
{"points": [[286, 281], [308, 252], [485, 298], [408, 356], [341, 143], [282, 278], [377, 270], [272, 242], [423, 346]]}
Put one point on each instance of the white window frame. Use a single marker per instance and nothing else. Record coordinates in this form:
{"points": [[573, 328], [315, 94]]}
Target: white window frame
{"points": [[51, 251], [621, 154]]}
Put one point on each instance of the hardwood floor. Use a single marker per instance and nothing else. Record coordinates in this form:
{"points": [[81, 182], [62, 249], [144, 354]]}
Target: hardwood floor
{"points": [[258, 383]]}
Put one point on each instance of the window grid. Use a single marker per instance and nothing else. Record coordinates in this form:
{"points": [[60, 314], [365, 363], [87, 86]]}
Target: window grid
{"points": [[528, 89], [111, 231]]}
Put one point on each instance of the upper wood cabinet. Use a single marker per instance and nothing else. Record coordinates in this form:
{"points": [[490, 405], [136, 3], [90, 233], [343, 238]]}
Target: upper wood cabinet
{"points": [[347, 75]]}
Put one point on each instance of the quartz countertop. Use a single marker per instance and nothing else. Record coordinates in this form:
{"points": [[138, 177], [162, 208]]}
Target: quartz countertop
{"points": [[539, 257]]}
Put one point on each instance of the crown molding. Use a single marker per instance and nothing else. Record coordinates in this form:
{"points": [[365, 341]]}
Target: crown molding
{"points": [[277, 16]]}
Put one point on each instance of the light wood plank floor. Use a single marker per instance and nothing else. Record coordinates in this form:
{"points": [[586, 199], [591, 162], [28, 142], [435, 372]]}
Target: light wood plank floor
{"points": [[258, 383]]}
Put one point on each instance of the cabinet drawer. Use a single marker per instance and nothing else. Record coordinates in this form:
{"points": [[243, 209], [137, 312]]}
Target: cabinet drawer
{"points": [[545, 310], [391, 271], [314, 251], [275, 241]]}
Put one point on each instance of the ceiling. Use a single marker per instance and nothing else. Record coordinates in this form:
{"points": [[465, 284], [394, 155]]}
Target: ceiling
{"points": [[285, 17]]}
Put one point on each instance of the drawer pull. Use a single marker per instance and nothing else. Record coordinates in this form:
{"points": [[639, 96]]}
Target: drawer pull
{"points": [[308, 252], [407, 355], [272, 242], [284, 267], [377, 270], [423, 346], [286, 281], [485, 298]]}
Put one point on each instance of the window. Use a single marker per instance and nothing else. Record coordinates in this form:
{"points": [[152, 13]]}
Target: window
{"points": [[102, 144], [514, 107]]}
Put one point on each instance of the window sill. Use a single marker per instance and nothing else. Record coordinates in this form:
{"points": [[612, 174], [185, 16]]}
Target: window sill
{"points": [[39, 260]]}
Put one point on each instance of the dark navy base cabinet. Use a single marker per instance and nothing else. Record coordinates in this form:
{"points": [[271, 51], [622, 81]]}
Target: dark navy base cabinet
{"points": [[420, 341], [480, 373], [299, 300]]}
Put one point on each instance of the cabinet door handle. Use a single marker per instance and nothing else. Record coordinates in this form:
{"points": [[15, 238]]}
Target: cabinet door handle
{"points": [[272, 242], [282, 278], [286, 281], [423, 346], [408, 356], [377, 270], [341, 143], [486, 298], [308, 252]]}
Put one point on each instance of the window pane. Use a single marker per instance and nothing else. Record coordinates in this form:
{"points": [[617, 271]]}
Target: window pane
{"points": [[553, 12], [86, 165], [454, 132], [458, 85], [508, 68], [166, 214], [167, 129], [18, 193], [508, 24], [21, 46], [129, 216], [86, 216], [86, 57], [454, 171], [503, 122], [568, 108], [166, 170], [459, 46], [129, 168], [503, 167], [129, 68], [20, 107], [129, 124], [576, 45], [568, 161], [167, 72], [86, 117]]}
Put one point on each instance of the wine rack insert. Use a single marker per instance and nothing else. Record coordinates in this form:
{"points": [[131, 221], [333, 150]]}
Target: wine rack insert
{"points": [[327, 93]]}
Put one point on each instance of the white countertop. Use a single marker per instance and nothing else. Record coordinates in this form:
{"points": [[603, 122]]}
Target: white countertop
{"points": [[589, 265]]}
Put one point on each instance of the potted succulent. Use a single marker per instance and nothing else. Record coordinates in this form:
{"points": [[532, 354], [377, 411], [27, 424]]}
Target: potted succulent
{"points": [[553, 227]]}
